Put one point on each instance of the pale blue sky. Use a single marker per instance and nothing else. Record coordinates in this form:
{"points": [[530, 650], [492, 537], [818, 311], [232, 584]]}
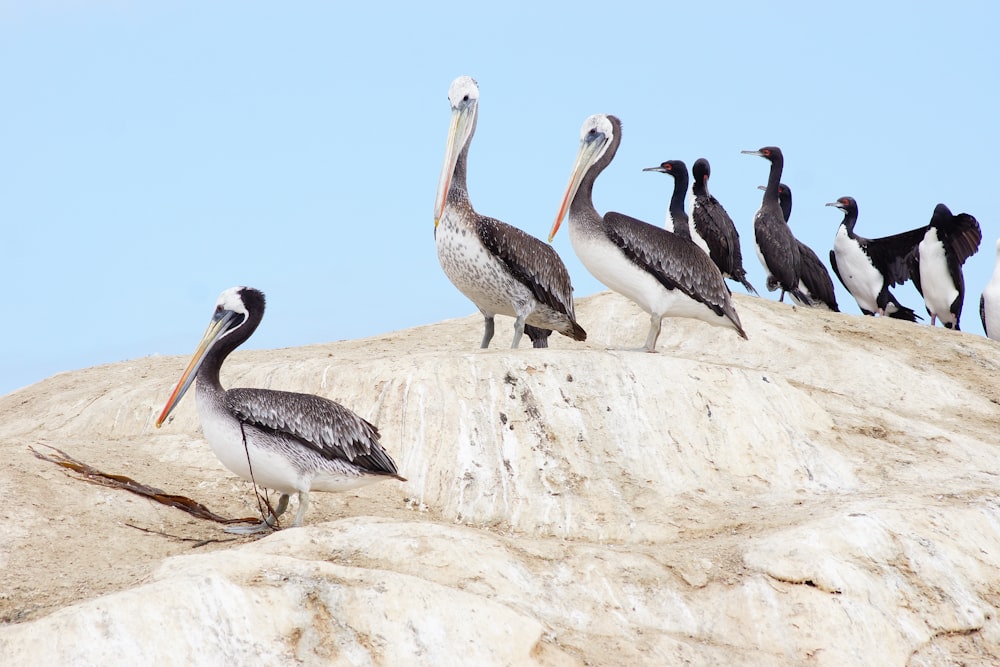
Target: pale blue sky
{"points": [[153, 154]]}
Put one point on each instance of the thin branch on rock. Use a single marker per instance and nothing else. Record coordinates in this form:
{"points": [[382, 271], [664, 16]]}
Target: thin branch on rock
{"points": [[197, 541], [95, 476]]}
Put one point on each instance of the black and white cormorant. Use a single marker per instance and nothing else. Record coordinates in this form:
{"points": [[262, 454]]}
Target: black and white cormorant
{"points": [[663, 273], [776, 246], [814, 279], [498, 267], [869, 267], [936, 265], [285, 441], [989, 302]]}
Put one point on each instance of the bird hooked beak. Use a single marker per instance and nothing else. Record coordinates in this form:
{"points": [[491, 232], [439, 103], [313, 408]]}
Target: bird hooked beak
{"points": [[222, 323], [663, 168], [591, 148], [463, 121], [838, 204], [757, 153]]}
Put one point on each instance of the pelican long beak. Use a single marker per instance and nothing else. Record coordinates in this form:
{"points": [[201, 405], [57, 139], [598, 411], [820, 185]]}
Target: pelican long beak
{"points": [[591, 147], [463, 120], [219, 326]]}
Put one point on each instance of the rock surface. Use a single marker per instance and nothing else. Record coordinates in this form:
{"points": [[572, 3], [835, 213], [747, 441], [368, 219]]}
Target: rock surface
{"points": [[825, 493]]}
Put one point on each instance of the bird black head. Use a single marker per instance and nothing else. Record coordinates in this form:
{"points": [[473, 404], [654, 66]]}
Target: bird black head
{"points": [[941, 214], [770, 153], [669, 167], [701, 170], [845, 204]]}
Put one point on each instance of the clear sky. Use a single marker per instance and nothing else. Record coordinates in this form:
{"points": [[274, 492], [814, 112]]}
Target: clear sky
{"points": [[153, 154]]}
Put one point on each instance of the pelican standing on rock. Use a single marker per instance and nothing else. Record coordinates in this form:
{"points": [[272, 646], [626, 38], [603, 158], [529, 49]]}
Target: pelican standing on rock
{"points": [[776, 246], [288, 442], [663, 273], [498, 267]]}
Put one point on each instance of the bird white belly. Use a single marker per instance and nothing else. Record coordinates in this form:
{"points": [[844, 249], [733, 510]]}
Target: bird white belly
{"points": [[935, 280], [475, 271], [991, 304], [763, 262], [862, 280], [270, 468], [700, 241], [804, 290], [608, 263]]}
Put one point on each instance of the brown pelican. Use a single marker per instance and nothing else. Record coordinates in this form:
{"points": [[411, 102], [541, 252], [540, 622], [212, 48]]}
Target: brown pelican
{"points": [[869, 267], [498, 267], [288, 442], [936, 264], [663, 273], [776, 247]]}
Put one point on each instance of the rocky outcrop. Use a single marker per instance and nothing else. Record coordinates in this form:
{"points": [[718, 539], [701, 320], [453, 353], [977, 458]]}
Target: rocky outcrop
{"points": [[824, 493]]}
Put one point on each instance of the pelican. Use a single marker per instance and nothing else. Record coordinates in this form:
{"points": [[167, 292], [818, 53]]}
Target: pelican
{"points": [[498, 267], [288, 442], [664, 274]]}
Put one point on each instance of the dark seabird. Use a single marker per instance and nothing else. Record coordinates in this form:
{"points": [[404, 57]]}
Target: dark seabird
{"points": [[677, 217], [936, 265], [498, 267], [665, 274], [288, 442], [776, 246], [814, 279], [714, 230], [709, 226], [989, 302], [869, 267]]}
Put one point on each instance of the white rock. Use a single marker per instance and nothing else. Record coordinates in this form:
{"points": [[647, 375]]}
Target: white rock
{"points": [[825, 493]]}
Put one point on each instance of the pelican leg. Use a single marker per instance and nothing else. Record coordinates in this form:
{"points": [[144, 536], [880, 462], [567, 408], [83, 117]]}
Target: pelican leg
{"points": [[267, 524], [654, 332], [518, 331], [303, 506], [487, 332]]}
